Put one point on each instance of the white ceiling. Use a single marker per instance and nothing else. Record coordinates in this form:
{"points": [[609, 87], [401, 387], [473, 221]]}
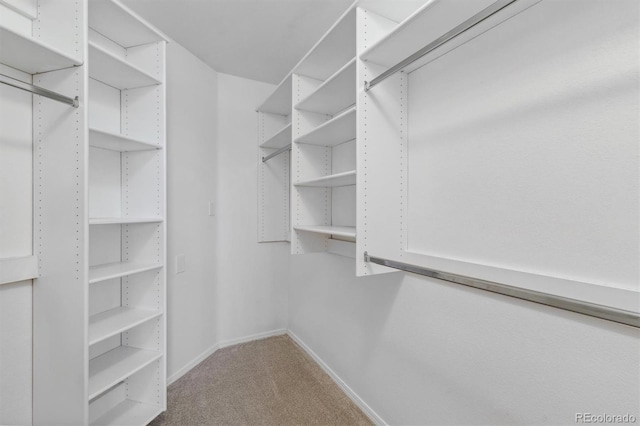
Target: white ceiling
{"points": [[257, 39]]}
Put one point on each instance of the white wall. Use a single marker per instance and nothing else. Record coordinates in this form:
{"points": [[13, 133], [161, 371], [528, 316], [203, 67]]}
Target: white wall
{"points": [[252, 278], [191, 183], [422, 351], [16, 207]]}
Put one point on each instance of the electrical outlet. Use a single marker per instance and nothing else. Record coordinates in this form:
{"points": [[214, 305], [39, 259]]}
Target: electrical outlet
{"points": [[180, 263]]}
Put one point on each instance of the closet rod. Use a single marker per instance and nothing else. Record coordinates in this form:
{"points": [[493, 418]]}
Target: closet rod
{"points": [[39, 91], [278, 152], [573, 305], [448, 36]]}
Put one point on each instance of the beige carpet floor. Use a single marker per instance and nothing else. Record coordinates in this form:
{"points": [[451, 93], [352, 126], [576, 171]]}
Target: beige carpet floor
{"points": [[265, 382]]}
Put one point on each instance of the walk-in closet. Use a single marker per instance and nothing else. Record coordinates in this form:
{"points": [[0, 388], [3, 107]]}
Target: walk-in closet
{"points": [[336, 212]]}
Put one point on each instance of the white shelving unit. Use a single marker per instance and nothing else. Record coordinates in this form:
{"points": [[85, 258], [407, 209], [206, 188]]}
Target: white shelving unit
{"points": [[127, 232], [323, 211], [313, 109], [324, 102], [99, 299], [38, 46]]}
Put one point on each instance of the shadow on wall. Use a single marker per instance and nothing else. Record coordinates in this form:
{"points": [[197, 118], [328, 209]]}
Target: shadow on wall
{"points": [[360, 307]]}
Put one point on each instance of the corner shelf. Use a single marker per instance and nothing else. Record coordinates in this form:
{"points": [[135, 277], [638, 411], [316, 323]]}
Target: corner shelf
{"points": [[128, 412], [118, 320], [115, 72], [114, 366], [339, 231], [117, 142], [331, 181], [118, 23], [123, 220], [335, 94], [119, 269], [339, 129], [279, 102], [280, 139], [29, 55]]}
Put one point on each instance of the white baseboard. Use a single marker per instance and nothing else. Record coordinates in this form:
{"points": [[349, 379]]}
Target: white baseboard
{"points": [[223, 344], [197, 360], [258, 336], [373, 416]]}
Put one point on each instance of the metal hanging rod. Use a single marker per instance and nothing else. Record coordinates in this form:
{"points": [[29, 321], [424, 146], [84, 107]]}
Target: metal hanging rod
{"points": [[573, 305], [278, 152], [39, 91], [466, 25]]}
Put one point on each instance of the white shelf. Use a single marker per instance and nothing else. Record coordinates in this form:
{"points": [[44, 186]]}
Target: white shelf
{"points": [[29, 55], [123, 220], [14, 269], [279, 102], [26, 9], [115, 321], [116, 365], [339, 129], [340, 231], [120, 24], [336, 47], [128, 413], [281, 139], [115, 72], [331, 181], [117, 142], [396, 11], [335, 94], [118, 269], [422, 27]]}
